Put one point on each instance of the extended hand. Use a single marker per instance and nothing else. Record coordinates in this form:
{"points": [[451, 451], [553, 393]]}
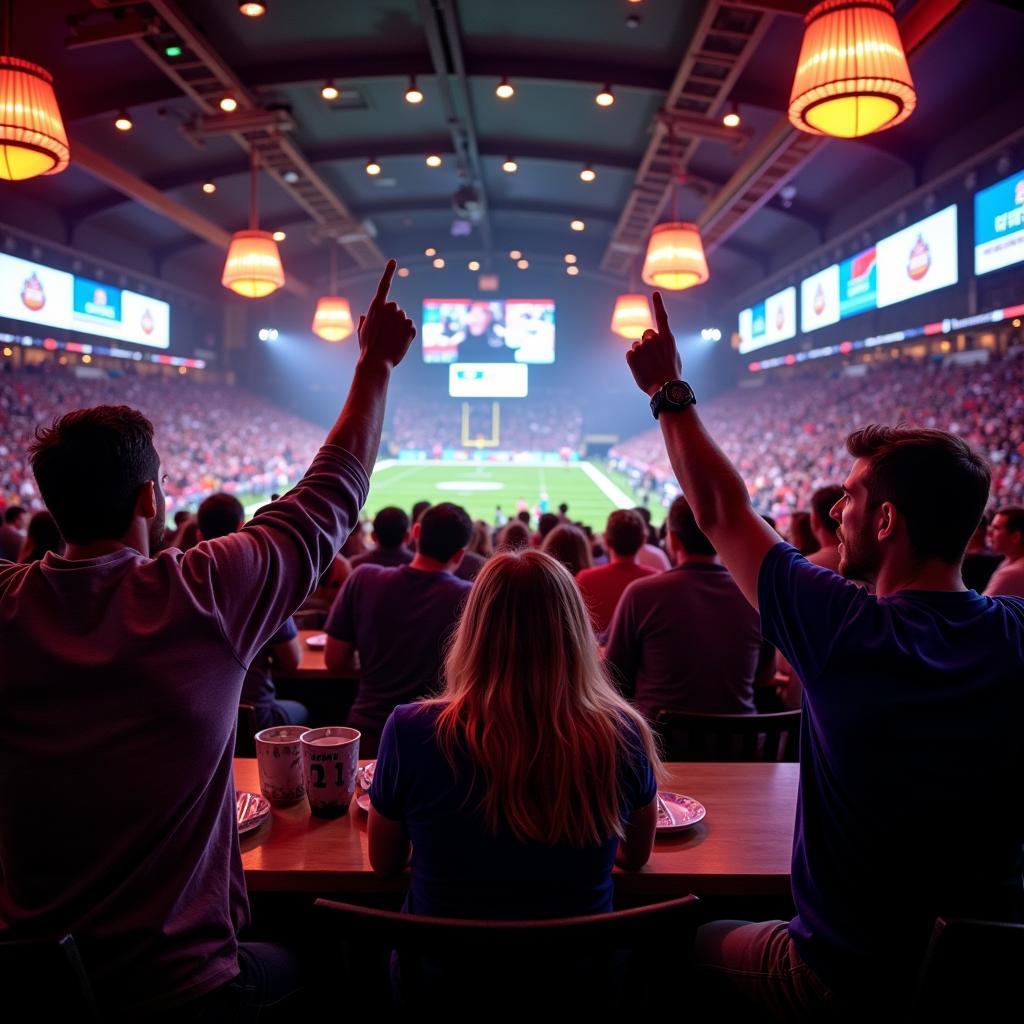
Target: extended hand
{"points": [[385, 332], [654, 359]]}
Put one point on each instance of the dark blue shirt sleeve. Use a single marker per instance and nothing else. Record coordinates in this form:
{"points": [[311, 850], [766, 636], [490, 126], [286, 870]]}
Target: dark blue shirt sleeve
{"points": [[387, 789], [803, 608], [637, 783], [288, 631]]}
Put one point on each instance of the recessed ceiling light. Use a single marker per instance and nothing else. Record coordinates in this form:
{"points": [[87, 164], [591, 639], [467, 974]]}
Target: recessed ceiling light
{"points": [[522, 264], [430, 252], [329, 90], [403, 271], [510, 166], [605, 98], [252, 8], [504, 91], [577, 225], [228, 104], [209, 187], [279, 236], [372, 167], [588, 173], [515, 254], [413, 93], [123, 123], [439, 262], [732, 118], [291, 177], [474, 264], [572, 271], [570, 257], [433, 160]]}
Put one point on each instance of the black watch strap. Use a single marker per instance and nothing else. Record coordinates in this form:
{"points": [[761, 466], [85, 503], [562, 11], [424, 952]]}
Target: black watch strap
{"points": [[672, 396]]}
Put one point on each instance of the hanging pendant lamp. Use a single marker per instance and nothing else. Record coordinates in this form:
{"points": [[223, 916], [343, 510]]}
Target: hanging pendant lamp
{"points": [[32, 137], [675, 257], [632, 315], [253, 265], [852, 77], [332, 320]]}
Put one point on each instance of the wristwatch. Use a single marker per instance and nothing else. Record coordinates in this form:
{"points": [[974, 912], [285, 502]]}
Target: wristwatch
{"points": [[672, 396]]}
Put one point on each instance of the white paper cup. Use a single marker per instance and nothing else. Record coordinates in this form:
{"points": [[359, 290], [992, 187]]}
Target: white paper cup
{"points": [[330, 756], [279, 756]]}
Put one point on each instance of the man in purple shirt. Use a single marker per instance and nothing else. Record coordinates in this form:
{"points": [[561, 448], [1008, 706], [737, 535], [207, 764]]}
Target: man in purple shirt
{"points": [[120, 682]]}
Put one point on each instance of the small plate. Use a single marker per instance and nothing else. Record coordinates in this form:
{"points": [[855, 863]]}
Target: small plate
{"points": [[363, 801], [317, 641], [252, 810], [684, 810]]}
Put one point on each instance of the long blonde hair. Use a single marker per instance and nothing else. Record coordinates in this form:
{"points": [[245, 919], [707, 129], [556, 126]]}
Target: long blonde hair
{"points": [[528, 700]]}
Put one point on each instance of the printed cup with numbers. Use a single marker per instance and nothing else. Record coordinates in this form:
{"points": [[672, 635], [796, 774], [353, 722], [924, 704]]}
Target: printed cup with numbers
{"points": [[279, 755], [331, 759]]}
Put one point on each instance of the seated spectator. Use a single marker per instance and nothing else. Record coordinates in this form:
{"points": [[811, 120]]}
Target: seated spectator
{"points": [[569, 545], [399, 620], [545, 524], [650, 555], [1006, 535], [42, 536], [390, 535], [523, 515], [12, 533], [524, 781], [481, 544], [686, 639], [126, 671], [912, 706], [980, 561], [418, 509], [514, 537], [801, 536], [602, 587], [218, 516], [824, 528]]}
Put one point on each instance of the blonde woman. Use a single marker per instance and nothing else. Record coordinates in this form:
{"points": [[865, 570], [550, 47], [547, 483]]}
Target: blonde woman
{"points": [[522, 784]]}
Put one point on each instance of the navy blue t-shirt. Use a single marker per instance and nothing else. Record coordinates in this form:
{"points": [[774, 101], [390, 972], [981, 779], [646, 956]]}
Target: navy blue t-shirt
{"points": [[911, 765], [459, 867], [258, 686]]}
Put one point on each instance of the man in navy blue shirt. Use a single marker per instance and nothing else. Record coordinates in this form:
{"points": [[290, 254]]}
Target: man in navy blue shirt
{"points": [[912, 753]]}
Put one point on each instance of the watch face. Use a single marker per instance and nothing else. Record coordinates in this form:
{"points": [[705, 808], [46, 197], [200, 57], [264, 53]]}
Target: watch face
{"points": [[678, 393]]}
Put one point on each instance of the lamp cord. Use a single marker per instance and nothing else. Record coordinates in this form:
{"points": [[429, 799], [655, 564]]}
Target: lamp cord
{"points": [[253, 219], [8, 26]]}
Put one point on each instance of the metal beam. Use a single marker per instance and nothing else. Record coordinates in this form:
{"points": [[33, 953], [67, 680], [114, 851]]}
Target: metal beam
{"points": [[145, 195], [444, 40]]}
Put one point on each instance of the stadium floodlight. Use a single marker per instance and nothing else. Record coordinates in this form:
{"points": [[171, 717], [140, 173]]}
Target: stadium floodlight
{"points": [[268, 334]]}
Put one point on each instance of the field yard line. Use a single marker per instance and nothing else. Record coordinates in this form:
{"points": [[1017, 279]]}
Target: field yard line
{"points": [[385, 464], [606, 487], [398, 476]]}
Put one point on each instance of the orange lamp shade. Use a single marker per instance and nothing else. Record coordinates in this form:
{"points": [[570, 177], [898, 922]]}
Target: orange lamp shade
{"points": [[675, 257], [253, 267], [852, 77], [32, 136], [631, 316], [332, 320]]}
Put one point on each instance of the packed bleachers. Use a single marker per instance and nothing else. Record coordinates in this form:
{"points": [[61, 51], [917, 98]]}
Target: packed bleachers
{"points": [[787, 437], [210, 438]]}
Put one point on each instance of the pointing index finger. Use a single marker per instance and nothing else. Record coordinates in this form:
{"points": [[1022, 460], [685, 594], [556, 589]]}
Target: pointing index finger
{"points": [[385, 283], [660, 316]]}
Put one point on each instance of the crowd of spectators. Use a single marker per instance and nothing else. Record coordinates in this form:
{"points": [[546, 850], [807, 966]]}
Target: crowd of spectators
{"points": [[786, 437], [211, 437]]}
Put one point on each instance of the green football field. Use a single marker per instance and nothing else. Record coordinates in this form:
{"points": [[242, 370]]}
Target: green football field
{"points": [[588, 491], [591, 492]]}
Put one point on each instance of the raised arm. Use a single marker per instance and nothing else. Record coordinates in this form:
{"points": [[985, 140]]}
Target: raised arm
{"points": [[711, 484]]}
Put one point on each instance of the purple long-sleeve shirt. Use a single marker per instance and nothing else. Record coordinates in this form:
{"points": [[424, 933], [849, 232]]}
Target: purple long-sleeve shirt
{"points": [[119, 686]]}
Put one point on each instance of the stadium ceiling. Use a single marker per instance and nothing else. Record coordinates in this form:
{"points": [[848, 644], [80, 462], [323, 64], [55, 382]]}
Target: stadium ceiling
{"points": [[674, 69]]}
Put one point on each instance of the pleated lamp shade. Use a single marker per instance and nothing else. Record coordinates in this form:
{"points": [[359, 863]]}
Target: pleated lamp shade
{"points": [[32, 136], [332, 320], [253, 267], [852, 77], [675, 257], [631, 316]]}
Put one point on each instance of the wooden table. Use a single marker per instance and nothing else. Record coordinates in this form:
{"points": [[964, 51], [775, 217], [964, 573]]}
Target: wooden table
{"points": [[742, 848]]}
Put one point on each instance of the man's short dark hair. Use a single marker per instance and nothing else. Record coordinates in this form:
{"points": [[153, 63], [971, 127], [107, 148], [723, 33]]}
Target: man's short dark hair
{"points": [[563, 508], [417, 511], [390, 524], [934, 479], [89, 465], [219, 515], [822, 502], [547, 522], [12, 513], [181, 517], [445, 529], [625, 532], [643, 513], [523, 517], [1014, 516], [683, 525]]}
